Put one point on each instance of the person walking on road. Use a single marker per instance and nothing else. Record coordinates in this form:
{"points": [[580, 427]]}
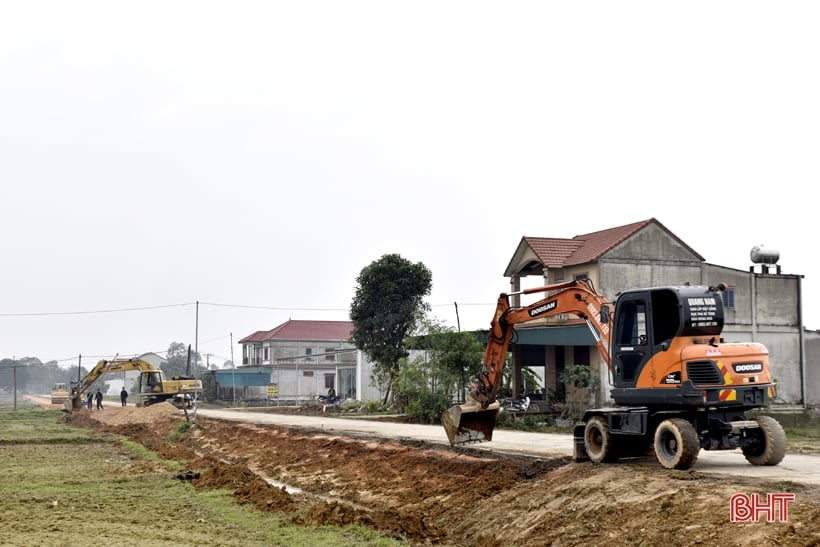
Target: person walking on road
{"points": [[98, 398], [123, 395]]}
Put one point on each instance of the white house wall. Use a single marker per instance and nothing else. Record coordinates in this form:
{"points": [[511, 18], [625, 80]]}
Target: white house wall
{"points": [[812, 367], [766, 308], [294, 385]]}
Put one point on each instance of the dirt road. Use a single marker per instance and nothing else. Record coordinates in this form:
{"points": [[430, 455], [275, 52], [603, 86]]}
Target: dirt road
{"points": [[802, 468]]}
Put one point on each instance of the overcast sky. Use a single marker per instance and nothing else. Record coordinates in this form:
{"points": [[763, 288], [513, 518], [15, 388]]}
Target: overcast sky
{"points": [[255, 156]]}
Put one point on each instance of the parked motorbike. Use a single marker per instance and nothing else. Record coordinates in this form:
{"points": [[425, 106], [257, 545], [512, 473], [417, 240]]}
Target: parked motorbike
{"points": [[333, 400], [520, 405]]}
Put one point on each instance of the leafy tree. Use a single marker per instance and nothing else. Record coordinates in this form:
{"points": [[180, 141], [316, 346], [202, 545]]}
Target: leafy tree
{"points": [[582, 383], [176, 362], [579, 376], [417, 391], [30, 375], [27, 373], [528, 378], [387, 307], [426, 383]]}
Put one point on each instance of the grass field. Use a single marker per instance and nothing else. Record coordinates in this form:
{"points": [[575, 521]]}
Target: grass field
{"points": [[65, 485]]}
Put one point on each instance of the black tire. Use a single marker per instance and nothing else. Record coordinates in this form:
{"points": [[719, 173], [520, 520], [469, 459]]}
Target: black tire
{"points": [[676, 444], [772, 446], [598, 441]]}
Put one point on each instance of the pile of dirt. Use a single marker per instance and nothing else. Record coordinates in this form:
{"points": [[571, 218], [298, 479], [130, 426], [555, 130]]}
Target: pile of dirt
{"points": [[119, 415], [433, 494], [139, 415]]}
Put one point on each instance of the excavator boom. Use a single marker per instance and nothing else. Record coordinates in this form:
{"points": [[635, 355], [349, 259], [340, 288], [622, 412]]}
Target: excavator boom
{"points": [[475, 420]]}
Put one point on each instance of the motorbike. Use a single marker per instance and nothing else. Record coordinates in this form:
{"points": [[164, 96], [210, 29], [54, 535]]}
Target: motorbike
{"points": [[332, 400], [520, 405]]}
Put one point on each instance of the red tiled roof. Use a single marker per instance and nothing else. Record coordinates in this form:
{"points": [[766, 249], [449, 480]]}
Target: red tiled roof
{"points": [[585, 248], [553, 252], [595, 244], [304, 330]]}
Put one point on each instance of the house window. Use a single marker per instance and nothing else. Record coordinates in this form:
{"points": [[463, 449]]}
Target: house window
{"points": [[729, 298], [265, 354], [576, 277], [329, 354], [308, 351], [330, 381]]}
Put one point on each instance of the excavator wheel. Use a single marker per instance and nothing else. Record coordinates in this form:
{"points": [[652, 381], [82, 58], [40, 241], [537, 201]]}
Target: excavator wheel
{"points": [[772, 446], [598, 441], [676, 444]]}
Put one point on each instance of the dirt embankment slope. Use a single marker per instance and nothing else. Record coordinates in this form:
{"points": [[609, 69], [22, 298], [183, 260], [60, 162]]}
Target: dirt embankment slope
{"points": [[436, 495]]}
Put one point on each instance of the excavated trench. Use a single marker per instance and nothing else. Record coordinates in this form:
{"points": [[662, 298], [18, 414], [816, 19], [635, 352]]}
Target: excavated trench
{"points": [[436, 495]]}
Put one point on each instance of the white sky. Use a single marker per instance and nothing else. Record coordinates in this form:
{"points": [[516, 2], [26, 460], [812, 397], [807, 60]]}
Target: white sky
{"points": [[260, 154]]}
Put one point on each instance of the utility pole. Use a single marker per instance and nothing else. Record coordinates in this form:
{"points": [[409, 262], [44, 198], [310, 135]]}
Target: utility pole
{"points": [[14, 376], [196, 354], [196, 335], [461, 396], [458, 321], [14, 368], [233, 374]]}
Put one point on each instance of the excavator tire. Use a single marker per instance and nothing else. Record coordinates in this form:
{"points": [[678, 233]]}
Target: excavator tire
{"points": [[772, 448], [598, 441], [676, 444]]}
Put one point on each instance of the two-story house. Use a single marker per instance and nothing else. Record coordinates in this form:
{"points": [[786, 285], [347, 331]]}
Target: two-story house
{"points": [[306, 358]]}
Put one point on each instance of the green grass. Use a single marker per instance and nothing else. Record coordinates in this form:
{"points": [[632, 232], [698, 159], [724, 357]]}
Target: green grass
{"points": [[803, 432], [63, 484], [35, 425]]}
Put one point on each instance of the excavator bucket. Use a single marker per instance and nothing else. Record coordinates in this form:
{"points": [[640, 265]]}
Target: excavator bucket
{"points": [[74, 402], [470, 423]]}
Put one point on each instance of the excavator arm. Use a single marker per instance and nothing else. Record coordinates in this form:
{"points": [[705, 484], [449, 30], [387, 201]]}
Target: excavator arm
{"points": [[577, 298], [475, 420]]}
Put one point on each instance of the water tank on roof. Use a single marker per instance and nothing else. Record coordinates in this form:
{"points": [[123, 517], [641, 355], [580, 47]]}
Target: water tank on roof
{"points": [[763, 255]]}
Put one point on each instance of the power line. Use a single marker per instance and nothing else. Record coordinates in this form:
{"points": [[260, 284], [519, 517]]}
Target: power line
{"points": [[271, 307], [216, 304], [116, 310]]}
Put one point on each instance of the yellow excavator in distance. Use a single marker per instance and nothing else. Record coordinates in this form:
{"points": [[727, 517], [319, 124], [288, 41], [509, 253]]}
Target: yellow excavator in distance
{"points": [[154, 387]]}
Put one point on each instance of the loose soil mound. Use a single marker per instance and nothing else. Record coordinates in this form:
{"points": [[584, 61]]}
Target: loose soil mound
{"points": [[437, 495]]}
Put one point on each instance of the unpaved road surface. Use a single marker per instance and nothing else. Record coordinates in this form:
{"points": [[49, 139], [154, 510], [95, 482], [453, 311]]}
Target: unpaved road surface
{"points": [[804, 468], [426, 491]]}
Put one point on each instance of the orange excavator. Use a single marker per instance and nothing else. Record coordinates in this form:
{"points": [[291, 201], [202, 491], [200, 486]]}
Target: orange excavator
{"points": [[678, 387]]}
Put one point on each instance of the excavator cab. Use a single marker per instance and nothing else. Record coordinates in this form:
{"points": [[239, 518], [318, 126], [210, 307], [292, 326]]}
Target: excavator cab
{"points": [[150, 381]]}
